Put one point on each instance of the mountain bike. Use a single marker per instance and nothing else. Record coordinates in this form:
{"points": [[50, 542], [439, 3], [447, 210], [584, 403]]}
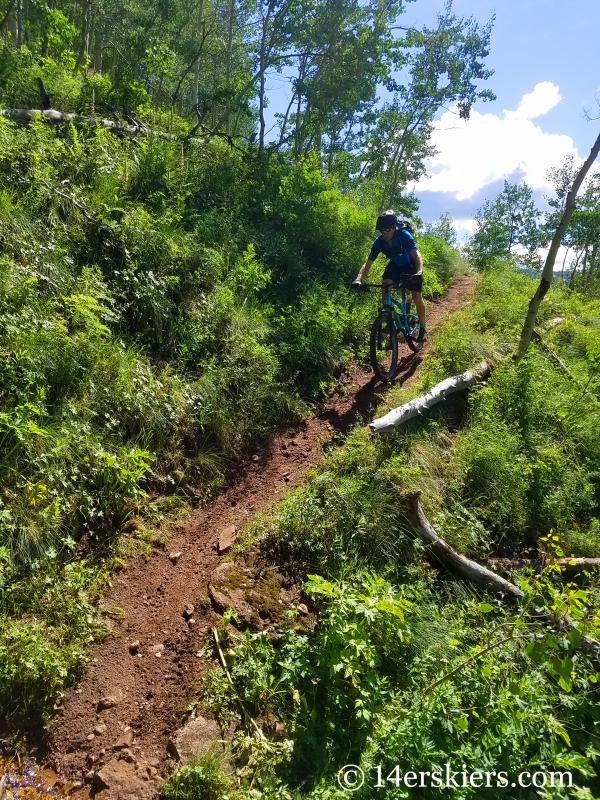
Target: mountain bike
{"points": [[394, 320]]}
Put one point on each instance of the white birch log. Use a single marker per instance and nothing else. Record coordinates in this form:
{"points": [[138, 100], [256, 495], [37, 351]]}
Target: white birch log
{"points": [[26, 115], [439, 392]]}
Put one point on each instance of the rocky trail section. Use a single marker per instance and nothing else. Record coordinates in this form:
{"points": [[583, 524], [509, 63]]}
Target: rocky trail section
{"points": [[111, 732]]}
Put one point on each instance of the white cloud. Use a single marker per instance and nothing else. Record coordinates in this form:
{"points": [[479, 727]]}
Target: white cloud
{"points": [[545, 96], [476, 152], [464, 227]]}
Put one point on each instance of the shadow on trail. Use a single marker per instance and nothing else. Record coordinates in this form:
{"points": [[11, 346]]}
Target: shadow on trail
{"points": [[369, 396]]}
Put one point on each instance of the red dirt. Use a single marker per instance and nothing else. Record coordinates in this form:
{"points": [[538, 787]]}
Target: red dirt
{"points": [[153, 592]]}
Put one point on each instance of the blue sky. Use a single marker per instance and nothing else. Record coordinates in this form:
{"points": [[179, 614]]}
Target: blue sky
{"points": [[546, 58]]}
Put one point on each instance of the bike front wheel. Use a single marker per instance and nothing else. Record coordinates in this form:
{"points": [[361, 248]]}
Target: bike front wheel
{"points": [[412, 337], [384, 347]]}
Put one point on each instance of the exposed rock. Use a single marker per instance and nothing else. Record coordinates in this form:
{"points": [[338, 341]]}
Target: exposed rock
{"points": [[188, 611], [226, 539], [256, 596], [174, 557], [198, 736], [255, 458], [125, 780], [110, 701], [125, 740], [302, 608]]}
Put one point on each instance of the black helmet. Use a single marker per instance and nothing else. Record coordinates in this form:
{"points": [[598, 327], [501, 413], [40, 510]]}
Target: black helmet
{"points": [[387, 219]]}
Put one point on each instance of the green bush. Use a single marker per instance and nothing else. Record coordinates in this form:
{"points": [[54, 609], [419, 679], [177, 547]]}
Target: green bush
{"points": [[201, 779]]}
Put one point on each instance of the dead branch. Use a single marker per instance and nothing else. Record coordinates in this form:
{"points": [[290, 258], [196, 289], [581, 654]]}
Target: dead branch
{"points": [[538, 338], [440, 553], [425, 401], [82, 208]]}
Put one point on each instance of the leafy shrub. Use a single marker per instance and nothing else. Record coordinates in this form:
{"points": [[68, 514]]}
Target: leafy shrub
{"points": [[584, 543], [441, 260], [201, 779], [44, 651]]}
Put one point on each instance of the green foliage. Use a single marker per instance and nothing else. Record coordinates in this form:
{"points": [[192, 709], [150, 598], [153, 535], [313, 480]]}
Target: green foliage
{"points": [[442, 261], [45, 649], [383, 680], [510, 221], [201, 779], [160, 308]]}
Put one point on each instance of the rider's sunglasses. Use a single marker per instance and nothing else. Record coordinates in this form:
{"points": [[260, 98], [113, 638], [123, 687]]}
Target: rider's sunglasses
{"points": [[386, 230]]}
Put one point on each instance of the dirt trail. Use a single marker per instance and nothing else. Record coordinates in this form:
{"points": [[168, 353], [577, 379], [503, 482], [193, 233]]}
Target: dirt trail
{"points": [[151, 594]]}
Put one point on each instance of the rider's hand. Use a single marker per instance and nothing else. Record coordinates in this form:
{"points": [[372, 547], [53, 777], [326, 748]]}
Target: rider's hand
{"points": [[358, 286]]}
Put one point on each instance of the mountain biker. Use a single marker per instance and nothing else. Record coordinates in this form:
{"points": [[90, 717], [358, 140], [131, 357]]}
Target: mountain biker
{"points": [[398, 245]]}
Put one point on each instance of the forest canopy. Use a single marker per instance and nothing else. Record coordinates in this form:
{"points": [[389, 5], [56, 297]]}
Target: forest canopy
{"points": [[363, 89]]}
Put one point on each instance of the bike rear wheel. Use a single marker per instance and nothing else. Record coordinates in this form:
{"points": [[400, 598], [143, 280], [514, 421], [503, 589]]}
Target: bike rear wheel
{"points": [[384, 347], [412, 337]]}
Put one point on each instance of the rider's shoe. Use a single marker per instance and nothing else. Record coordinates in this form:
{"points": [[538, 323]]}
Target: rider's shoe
{"points": [[422, 335]]}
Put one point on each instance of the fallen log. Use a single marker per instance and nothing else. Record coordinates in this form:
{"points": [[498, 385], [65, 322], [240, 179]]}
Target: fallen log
{"points": [[440, 553], [425, 401], [24, 116]]}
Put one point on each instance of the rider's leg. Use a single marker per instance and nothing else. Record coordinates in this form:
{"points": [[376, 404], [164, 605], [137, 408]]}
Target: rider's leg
{"points": [[418, 298], [385, 282]]}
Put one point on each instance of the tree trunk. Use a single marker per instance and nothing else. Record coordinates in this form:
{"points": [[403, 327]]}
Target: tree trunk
{"points": [[228, 64], [85, 27], [440, 553], [425, 401], [298, 132], [571, 566], [196, 95], [99, 46], [562, 272], [262, 67], [8, 19], [548, 270], [19, 15]]}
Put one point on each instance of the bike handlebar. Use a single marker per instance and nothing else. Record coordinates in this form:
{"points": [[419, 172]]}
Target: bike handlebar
{"points": [[393, 285]]}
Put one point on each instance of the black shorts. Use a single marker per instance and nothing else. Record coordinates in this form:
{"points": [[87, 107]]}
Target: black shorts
{"points": [[393, 272]]}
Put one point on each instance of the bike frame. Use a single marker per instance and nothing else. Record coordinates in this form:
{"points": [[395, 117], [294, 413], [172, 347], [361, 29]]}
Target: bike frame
{"points": [[399, 316], [397, 307]]}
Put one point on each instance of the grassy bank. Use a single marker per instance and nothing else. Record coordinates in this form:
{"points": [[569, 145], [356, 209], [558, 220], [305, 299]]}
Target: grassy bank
{"points": [[416, 669]]}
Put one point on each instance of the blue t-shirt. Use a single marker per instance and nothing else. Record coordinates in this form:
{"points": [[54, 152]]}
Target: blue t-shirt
{"points": [[397, 250]]}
